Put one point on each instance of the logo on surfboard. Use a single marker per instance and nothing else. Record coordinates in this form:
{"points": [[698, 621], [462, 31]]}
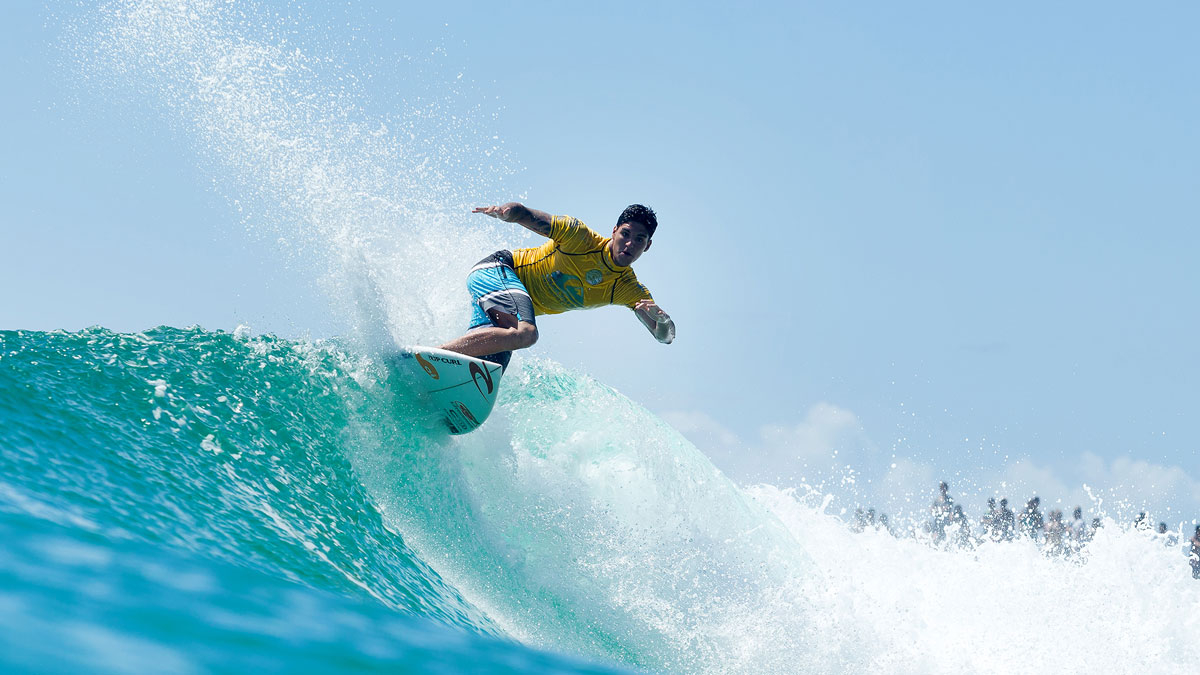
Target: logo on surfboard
{"points": [[428, 366], [466, 413], [476, 373]]}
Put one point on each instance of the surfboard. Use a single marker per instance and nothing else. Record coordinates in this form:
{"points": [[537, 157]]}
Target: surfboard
{"points": [[461, 389]]}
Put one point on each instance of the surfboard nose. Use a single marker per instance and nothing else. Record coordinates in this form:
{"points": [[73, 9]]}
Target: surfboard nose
{"points": [[460, 388]]}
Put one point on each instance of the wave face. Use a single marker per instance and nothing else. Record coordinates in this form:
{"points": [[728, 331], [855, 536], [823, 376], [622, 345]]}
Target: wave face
{"points": [[183, 500], [245, 488], [194, 499]]}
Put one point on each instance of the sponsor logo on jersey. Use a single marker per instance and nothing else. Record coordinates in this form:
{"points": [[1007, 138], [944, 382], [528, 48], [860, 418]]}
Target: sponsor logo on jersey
{"points": [[594, 277], [566, 287]]}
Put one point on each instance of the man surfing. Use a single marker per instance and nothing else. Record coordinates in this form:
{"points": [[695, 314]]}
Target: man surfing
{"points": [[575, 269]]}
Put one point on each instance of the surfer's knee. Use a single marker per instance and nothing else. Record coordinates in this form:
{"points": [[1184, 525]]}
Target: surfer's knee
{"points": [[526, 335]]}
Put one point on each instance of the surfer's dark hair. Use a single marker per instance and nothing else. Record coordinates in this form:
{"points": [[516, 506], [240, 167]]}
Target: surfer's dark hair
{"points": [[636, 213]]}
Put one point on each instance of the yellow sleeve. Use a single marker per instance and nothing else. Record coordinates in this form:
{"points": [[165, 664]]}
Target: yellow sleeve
{"points": [[629, 291], [573, 236]]}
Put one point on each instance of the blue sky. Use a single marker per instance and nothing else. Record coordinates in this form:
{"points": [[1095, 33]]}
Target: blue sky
{"points": [[942, 241]]}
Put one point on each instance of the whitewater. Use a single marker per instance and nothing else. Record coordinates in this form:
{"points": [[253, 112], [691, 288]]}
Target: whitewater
{"points": [[187, 499]]}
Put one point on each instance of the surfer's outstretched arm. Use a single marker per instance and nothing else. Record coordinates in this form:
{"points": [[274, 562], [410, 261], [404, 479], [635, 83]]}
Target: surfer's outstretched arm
{"points": [[656, 321], [515, 212]]}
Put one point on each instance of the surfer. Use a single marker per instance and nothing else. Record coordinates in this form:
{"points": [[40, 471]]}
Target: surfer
{"points": [[575, 269]]}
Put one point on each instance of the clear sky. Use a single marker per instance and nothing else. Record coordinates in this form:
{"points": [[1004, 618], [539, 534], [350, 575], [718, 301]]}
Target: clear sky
{"points": [[940, 239]]}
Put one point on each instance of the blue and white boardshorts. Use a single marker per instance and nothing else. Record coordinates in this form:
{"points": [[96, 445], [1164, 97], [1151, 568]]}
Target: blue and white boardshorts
{"points": [[494, 285]]}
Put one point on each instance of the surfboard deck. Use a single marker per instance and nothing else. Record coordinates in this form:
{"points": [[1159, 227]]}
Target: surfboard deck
{"points": [[461, 389]]}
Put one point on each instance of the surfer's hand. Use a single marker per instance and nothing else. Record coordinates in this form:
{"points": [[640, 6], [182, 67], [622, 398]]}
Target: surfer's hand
{"points": [[656, 320], [506, 212], [651, 311]]}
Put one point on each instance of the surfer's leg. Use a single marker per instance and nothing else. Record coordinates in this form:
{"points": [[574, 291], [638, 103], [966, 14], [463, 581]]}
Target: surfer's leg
{"points": [[495, 343], [507, 336], [502, 317]]}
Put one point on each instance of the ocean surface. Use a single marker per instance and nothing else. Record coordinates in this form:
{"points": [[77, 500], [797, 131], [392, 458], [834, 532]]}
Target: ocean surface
{"points": [[183, 500], [186, 499]]}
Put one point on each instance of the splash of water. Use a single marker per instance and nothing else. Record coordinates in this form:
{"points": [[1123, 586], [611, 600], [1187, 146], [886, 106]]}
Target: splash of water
{"points": [[379, 202]]}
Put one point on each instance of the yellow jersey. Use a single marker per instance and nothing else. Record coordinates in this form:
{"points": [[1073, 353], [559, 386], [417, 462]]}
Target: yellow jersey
{"points": [[575, 270]]}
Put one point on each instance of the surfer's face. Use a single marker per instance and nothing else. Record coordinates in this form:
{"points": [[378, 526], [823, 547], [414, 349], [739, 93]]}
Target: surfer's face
{"points": [[629, 242]]}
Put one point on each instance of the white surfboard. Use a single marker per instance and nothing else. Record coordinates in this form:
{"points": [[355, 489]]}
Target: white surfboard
{"points": [[462, 389]]}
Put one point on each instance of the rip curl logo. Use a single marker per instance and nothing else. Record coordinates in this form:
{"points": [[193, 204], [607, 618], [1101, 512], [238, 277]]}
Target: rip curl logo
{"points": [[593, 277], [476, 373], [427, 366]]}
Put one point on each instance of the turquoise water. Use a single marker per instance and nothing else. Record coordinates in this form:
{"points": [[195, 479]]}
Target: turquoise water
{"points": [[181, 499], [193, 499]]}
